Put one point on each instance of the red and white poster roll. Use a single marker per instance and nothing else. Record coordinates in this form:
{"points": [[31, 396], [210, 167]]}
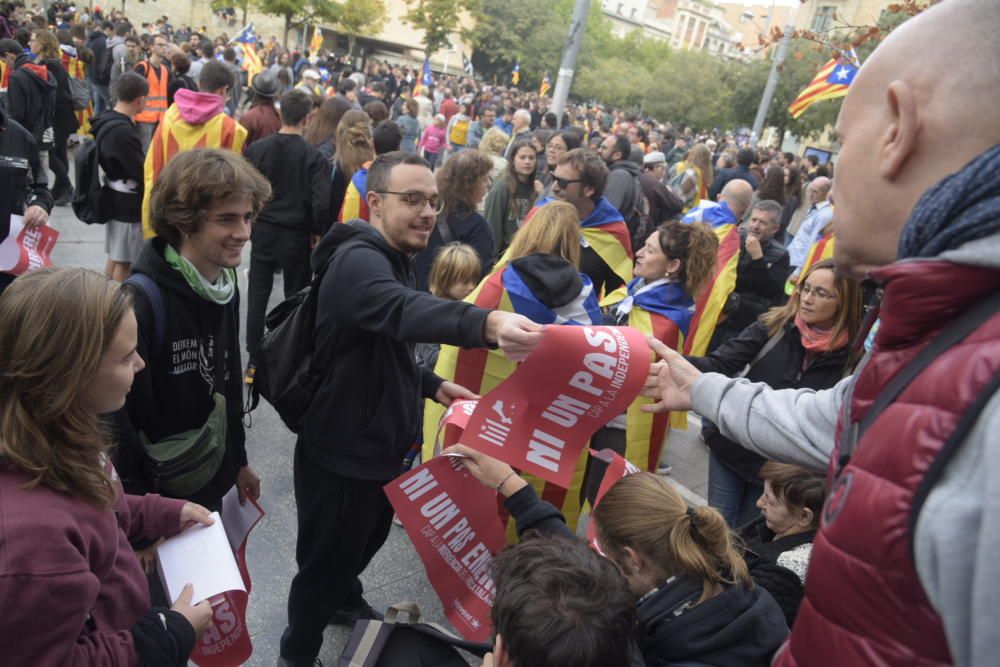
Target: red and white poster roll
{"points": [[26, 249], [617, 468], [453, 423], [452, 521], [577, 380]]}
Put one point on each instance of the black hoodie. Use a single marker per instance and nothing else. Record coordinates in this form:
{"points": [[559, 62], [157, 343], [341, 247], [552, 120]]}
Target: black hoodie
{"points": [[31, 97], [122, 159], [173, 393], [23, 181], [365, 413]]}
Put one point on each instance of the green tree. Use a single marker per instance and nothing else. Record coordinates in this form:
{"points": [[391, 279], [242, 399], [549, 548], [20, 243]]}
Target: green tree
{"points": [[298, 13], [357, 17], [438, 19]]}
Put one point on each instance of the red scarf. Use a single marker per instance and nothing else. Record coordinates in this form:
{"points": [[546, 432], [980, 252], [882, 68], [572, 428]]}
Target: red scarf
{"points": [[818, 340]]}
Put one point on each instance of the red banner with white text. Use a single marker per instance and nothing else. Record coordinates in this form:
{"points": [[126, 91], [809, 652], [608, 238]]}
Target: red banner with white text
{"points": [[26, 249], [577, 380], [452, 521]]}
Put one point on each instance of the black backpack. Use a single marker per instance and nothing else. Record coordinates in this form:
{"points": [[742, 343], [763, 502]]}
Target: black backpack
{"points": [[284, 375], [102, 68], [91, 201]]}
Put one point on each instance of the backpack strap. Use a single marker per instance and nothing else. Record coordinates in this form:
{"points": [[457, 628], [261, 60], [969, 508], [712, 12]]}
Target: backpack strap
{"points": [[957, 331], [155, 298], [771, 343]]}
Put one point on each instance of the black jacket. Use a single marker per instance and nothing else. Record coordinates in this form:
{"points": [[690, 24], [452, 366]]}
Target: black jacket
{"points": [[31, 97], [369, 316], [760, 285], [122, 159], [761, 555], [97, 42], [740, 627], [466, 227], [622, 192], [23, 181], [725, 175], [300, 183], [173, 393], [781, 368], [179, 82], [64, 120]]}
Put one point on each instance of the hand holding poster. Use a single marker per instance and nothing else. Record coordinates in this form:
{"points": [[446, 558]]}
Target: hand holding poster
{"points": [[452, 521], [578, 379], [453, 422], [26, 249]]}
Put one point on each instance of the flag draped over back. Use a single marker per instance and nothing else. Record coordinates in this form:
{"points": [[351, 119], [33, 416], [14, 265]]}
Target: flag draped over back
{"points": [[480, 370], [77, 69], [821, 249], [174, 135], [830, 82], [709, 304], [546, 86], [664, 312], [355, 205]]}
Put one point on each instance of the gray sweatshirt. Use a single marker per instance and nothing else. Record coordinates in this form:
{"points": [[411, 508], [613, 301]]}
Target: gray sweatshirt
{"points": [[958, 530]]}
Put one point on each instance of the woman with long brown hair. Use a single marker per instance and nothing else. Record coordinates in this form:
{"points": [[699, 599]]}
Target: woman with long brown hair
{"points": [[322, 130], [355, 151], [512, 195], [695, 600], [462, 183], [803, 344], [71, 586]]}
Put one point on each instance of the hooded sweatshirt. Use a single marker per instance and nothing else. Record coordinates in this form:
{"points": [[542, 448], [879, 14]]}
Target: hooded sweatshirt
{"points": [[174, 392], [121, 157], [365, 414], [31, 97], [23, 181]]}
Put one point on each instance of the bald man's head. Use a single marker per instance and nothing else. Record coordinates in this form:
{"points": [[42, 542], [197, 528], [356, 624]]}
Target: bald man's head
{"points": [[737, 194], [921, 108]]}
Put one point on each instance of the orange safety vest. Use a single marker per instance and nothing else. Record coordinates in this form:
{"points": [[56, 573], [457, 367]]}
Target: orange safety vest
{"points": [[156, 101]]}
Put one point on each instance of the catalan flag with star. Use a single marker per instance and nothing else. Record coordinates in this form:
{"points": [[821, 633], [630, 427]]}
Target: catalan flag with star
{"points": [[515, 75], [663, 310], [546, 86], [709, 304], [480, 370], [251, 59], [832, 81]]}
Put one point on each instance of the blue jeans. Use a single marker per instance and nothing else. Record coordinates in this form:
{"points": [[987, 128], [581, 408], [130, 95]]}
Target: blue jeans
{"points": [[732, 494], [101, 97]]}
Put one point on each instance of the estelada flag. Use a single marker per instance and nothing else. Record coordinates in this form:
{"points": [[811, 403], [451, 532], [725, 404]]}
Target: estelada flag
{"points": [[709, 304], [820, 250], [546, 86], [355, 205], [663, 311], [316, 43], [832, 81], [605, 231], [77, 69], [174, 135], [480, 370]]}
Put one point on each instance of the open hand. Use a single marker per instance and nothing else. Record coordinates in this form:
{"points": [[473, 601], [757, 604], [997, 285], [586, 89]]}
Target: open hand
{"points": [[670, 387]]}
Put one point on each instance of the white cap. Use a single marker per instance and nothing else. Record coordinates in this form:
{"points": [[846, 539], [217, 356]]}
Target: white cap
{"points": [[310, 74], [656, 157]]}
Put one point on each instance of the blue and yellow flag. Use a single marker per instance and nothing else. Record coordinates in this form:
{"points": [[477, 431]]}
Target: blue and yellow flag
{"points": [[515, 75], [546, 86], [832, 81], [709, 304], [480, 370], [427, 79], [355, 205]]}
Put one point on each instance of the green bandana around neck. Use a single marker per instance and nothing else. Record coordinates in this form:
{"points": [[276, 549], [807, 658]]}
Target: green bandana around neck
{"points": [[220, 292]]}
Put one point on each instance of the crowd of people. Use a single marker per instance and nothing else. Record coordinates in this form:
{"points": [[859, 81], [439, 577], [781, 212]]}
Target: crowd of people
{"points": [[837, 334]]}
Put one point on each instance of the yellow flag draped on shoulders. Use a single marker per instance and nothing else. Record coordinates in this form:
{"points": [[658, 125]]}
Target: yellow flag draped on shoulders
{"points": [[709, 304], [195, 120], [480, 370]]}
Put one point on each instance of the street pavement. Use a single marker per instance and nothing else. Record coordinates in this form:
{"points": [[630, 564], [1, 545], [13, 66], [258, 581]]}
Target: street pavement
{"points": [[396, 573]]}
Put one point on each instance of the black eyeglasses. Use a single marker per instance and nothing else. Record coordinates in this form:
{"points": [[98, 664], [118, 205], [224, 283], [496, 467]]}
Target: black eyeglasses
{"points": [[417, 200], [563, 182]]}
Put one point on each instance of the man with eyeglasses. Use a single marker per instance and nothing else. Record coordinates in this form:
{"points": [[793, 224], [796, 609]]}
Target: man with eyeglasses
{"points": [[606, 255], [156, 72], [364, 416]]}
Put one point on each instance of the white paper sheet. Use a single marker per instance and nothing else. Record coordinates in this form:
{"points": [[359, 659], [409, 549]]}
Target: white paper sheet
{"points": [[201, 556], [238, 519]]}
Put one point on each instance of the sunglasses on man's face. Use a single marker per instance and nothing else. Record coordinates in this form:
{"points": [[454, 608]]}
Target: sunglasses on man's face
{"points": [[564, 182]]}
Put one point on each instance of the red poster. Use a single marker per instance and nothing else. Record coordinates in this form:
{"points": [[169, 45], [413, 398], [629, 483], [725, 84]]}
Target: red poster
{"points": [[617, 468], [227, 640], [577, 380], [26, 249], [453, 422], [453, 524]]}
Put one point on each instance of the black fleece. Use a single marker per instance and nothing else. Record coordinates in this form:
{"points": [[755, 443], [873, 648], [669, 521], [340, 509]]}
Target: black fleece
{"points": [[23, 181], [173, 393], [300, 182], [369, 316], [31, 97], [781, 368], [122, 159]]}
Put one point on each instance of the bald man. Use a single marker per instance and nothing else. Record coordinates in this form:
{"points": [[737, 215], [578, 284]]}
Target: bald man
{"points": [[820, 215], [904, 568]]}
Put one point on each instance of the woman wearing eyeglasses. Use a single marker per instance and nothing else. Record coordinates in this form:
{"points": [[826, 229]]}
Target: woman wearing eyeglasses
{"points": [[803, 344]]}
